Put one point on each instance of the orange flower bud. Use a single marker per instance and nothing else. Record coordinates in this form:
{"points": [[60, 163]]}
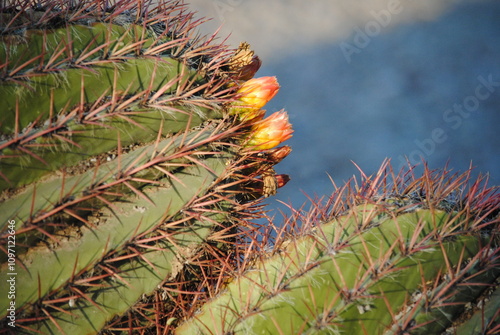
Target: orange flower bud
{"points": [[257, 92], [270, 132], [253, 95]]}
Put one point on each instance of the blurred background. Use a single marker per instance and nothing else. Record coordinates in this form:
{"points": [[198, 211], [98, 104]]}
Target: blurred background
{"points": [[373, 79]]}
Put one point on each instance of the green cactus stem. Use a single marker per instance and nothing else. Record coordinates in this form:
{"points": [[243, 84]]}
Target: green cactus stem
{"points": [[98, 75], [107, 231], [374, 260]]}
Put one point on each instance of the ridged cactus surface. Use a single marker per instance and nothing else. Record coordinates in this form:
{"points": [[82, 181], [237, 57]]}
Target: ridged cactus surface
{"points": [[419, 257], [122, 164], [72, 76]]}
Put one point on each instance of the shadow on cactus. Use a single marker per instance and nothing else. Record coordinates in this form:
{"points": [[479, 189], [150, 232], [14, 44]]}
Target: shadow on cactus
{"points": [[134, 154]]}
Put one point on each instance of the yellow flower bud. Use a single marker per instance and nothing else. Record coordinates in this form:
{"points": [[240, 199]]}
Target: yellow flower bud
{"points": [[270, 132], [257, 92], [252, 96]]}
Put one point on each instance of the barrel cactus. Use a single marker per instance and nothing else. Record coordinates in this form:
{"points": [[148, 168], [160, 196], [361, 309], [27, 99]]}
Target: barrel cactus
{"points": [[395, 254], [134, 154], [126, 163]]}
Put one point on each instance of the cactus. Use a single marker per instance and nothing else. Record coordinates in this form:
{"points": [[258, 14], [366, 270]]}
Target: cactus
{"points": [[134, 155], [417, 257], [121, 163]]}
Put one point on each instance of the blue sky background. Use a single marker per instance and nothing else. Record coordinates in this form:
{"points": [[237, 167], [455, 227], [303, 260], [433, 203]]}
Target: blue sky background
{"points": [[367, 80]]}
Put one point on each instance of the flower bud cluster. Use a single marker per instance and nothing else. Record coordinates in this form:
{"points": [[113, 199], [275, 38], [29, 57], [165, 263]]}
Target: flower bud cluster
{"points": [[265, 133]]}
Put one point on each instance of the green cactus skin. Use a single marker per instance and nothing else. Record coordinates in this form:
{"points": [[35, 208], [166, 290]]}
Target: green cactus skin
{"points": [[66, 87], [114, 231], [485, 320], [119, 163], [405, 261]]}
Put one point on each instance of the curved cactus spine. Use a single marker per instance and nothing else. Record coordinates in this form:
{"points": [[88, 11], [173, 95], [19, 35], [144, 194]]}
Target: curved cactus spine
{"points": [[405, 259], [120, 162]]}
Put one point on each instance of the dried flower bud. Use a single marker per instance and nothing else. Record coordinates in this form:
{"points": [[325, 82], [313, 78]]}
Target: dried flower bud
{"points": [[276, 155], [282, 179], [268, 184], [244, 64]]}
